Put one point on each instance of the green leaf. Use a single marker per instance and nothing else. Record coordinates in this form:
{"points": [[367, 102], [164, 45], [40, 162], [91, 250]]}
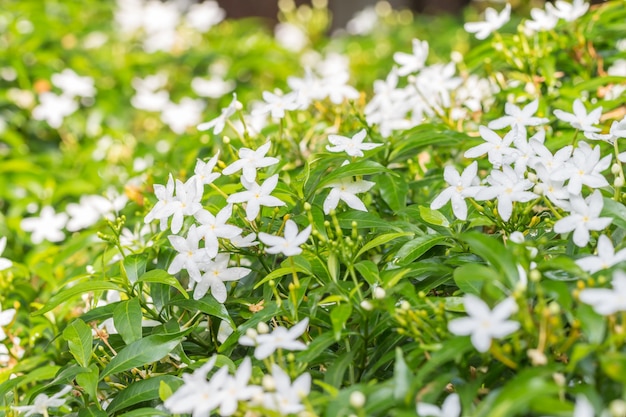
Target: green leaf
{"points": [[80, 341], [69, 293], [338, 317], [369, 271], [470, 278], [89, 381], [364, 220], [162, 277], [207, 304], [145, 412], [494, 252], [135, 266], [401, 376], [381, 240], [616, 211], [144, 351], [92, 411], [416, 247], [141, 391], [365, 167], [416, 139], [393, 191], [127, 319], [433, 217]]}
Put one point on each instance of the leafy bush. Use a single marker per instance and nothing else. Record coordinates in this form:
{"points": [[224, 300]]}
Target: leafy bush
{"points": [[200, 217]]}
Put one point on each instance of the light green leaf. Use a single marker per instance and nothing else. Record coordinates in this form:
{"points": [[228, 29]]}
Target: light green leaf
{"points": [[433, 217], [401, 376], [88, 380], [127, 319], [69, 293], [135, 266], [365, 167], [393, 191], [140, 391], [144, 351], [162, 277], [339, 315], [92, 411], [381, 240], [208, 305], [80, 341], [418, 246]]}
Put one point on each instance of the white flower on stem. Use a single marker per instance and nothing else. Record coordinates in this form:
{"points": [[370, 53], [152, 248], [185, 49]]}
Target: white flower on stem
{"points": [[584, 216], [307, 88], [190, 256], [246, 241], [568, 11], [43, 402], [203, 172], [352, 146], [410, 63], [216, 273], [508, 187], [236, 389], [280, 338], [287, 397], [256, 196], [203, 16], [553, 189], [584, 167], [180, 116], [337, 88], [214, 227], [606, 257], [345, 189], [73, 85], [484, 324], [6, 317], [276, 104], [519, 117], [526, 150], [197, 395], [617, 131], [460, 187], [580, 119], [288, 245], [54, 108], [542, 20], [4, 262], [498, 150], [186, 203], [164, 206], [451, 407], [251, 160], [48, 226], [493, 21], [607, 301], [545, 158], [219, 122]]}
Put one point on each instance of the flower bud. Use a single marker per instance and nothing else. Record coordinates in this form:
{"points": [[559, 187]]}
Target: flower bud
{"points": [[366, 305], [262, 328], [379, 293], [619, 182], [357, 399], [252, 334], [268, 383]]}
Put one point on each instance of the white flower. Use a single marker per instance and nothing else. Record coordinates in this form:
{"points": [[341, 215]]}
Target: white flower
{"points": [[542, 20], [493, 21], [484, 324], [410, 63], [287, 397], [185, 203], [288, 245], [290, 36], [607, 301], [276, 104], [460, 187], [345, 189], [53, 108], [203, 16], [583, 407], [352, 146], [508, 187], [203, 171], [164, 207], [363, 22], [584, 167], [219, 122], [236, 389], [214, 87], [190, 256], [214, 227], [498, 149], [182, 115], [4, 262], [583, 218], [568, 11], [216, 273], [279, 338], [73, 85], [251, 160], [6, 317], [617, 131], [43, 402], [451, 407], [580, 119], [519, 117], [256, 196], [606, 257], [48, 226]]}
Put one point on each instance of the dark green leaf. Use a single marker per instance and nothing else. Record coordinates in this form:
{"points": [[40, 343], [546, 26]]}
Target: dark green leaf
{"points": [[92, 411], [141, 391], [393, 190], [207, 304], [80, 341], [418, 246], [365, 167]]}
